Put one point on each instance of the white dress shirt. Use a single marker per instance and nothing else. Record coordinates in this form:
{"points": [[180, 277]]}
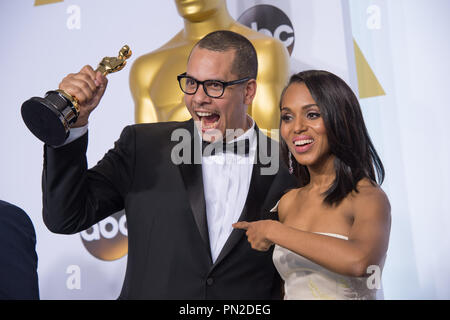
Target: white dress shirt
{"points": [[226, 181]]}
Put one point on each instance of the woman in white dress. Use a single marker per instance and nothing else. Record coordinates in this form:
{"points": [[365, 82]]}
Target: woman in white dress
{"points": [[333, 232]]}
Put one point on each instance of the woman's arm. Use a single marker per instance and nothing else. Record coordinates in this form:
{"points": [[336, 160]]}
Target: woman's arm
{"points": [[367, 243]]}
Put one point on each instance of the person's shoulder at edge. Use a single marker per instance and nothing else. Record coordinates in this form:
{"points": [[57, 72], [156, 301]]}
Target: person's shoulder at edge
{"points": [[18, 264], [8, 210]]}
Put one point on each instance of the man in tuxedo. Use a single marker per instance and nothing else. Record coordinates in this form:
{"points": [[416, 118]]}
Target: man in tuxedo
{"points": [[181, 244], [18, 261]]}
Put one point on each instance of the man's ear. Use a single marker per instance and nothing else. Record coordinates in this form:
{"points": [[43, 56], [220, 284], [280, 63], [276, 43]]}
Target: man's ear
{"points": [[250, 92]]}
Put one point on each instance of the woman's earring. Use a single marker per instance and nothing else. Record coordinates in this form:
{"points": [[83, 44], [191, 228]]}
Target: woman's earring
{"points": [[291, 169]]}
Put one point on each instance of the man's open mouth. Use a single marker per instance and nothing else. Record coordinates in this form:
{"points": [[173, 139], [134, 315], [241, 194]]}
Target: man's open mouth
{"points": [[208, 119]]}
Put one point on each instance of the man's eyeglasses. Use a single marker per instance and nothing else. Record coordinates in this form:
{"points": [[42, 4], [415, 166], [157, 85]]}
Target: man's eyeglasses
{"points": [[212, 88]]}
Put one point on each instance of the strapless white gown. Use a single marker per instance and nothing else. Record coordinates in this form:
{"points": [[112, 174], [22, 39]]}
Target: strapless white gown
{"points": [[306, 280]]}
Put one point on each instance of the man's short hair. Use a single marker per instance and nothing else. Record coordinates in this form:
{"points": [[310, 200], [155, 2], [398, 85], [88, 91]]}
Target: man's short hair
{"points": [[245, 62]]}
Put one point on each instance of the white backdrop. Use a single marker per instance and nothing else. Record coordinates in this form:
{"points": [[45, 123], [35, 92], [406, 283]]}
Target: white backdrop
{"points": [[404, 42]]}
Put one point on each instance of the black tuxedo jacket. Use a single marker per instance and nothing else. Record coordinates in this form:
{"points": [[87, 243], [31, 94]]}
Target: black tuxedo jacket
{"points": [[168, 244], [18, 258]]}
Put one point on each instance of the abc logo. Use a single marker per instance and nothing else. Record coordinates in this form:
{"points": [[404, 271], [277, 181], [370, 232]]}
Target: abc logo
{"points": [[108, 239], [271, 21]]}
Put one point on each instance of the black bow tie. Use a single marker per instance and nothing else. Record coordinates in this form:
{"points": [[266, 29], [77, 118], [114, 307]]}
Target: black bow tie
{"points": [[240, 147]]}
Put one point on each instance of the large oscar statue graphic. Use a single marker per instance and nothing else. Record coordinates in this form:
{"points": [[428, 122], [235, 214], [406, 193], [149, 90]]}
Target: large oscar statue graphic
{"points": [[49, 118]]}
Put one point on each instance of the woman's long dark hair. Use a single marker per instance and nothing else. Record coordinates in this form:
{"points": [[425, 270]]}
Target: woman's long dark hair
{"points": [[355, 155]]}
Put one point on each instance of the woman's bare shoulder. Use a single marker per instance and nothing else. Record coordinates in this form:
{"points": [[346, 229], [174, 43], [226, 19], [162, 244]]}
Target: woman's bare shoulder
{"points": [[286, 201], [370, 198]]}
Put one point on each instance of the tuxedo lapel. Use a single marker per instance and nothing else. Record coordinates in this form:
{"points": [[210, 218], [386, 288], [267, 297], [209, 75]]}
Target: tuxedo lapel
{"points": [[259, 186], [193, 182]]}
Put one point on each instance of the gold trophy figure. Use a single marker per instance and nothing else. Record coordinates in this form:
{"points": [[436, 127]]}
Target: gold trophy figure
{"points": [[49, 118], [153, 76], [113, 64]]}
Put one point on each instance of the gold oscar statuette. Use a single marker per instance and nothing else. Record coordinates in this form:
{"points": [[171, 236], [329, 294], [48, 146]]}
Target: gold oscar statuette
{"points": [[50, 118]]}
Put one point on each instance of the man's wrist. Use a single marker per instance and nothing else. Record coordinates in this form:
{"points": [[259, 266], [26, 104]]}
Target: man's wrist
{"points": [[74, 134]]}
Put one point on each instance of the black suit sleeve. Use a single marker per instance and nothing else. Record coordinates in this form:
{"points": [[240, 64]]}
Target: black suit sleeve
{"points": [[75, 198], [18, 258]]}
